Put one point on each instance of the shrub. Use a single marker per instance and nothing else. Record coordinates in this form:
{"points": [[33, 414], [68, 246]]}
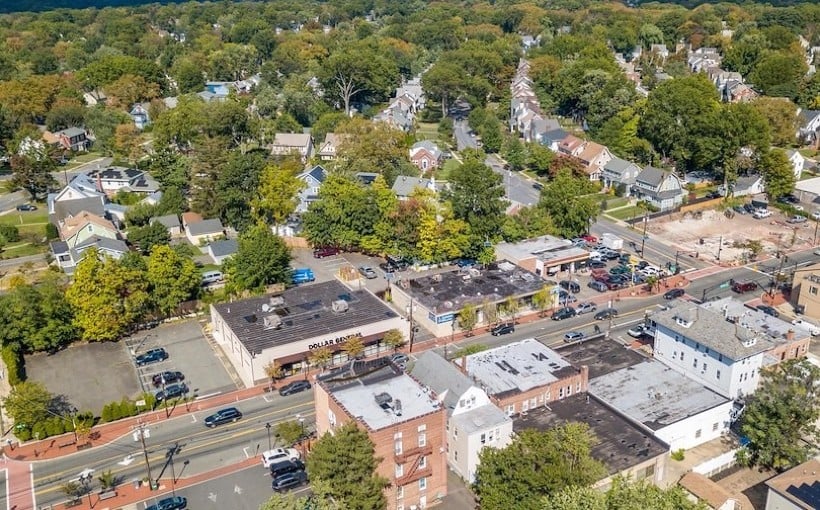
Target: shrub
{"points": [[106, 413], [10, 233], [23, 434], [678, 455], [15, 363], [38, 431], [51, 231], [53, 426]]}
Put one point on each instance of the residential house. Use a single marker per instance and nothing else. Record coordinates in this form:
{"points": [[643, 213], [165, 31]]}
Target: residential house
{"points": [[571, 145], [113, 179], [329, 148], [553, 138], [529, 42], [68, 257], [285, 144], [395, 116], [313, 180], [73, 139], [620, 174], [405, 422], [796, 489], [473, 422], [594, 156], [94, 98], [170, 222], [426, 155], [661, 51], [708, 492], [660, 188], [797, 161], [220, 251], [405, 185], [738, 92], [79, 188], [539, 127], [205, 231], [746, 185], [805, 292], [76, 229], [702, 59], [401, 111], [809, 127], [152, 198], [139, 114]]}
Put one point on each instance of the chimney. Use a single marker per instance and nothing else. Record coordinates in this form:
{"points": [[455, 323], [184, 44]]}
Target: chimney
{"points": [[790, 335], [463, 366], [99, 182]]}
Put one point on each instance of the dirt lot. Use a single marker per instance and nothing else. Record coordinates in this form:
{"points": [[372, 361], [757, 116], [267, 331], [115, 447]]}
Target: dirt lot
{"points": [[687, 230]]}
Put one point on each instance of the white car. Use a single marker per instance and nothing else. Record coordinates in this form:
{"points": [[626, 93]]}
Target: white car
{"points": [[816, 215], [638, 331], [814, 330], [279, 454], [761, 213]]}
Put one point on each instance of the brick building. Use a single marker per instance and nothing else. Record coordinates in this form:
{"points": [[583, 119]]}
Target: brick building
{"points": [[524, 375], [806, 290], [405, 421]]}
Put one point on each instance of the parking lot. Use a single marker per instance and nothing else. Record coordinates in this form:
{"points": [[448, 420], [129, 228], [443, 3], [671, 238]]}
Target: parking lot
{"points": [[101, 373]]}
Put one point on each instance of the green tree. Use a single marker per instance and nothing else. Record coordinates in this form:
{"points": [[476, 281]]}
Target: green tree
{"points": [[373, 147], [320, 500], [37, 318], [537, 464], [262, 259], [33, 173], [539, 158], [442, 83], [515, 153], [394, 339], [778, 173], [623, 494], [650, 34], [357, 70], [343, 215], [277, 197], [568, 202], [477, 195], [780, 417], [29, 402], [527, 222], [511, 307], [543, 300], [321, 357], [357, 486], [149, 236], [353, 346], [467, 318], [236, 181], [173, 278], [781, 116], [779, 74], [289, 431], [107, 297]]}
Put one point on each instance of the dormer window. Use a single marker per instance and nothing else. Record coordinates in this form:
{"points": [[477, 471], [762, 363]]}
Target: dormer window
{"points": [[682, 321]]}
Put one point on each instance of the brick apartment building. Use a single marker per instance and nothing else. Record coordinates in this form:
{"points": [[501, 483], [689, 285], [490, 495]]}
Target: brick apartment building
{"points": [[405, 421], [524, 375]]}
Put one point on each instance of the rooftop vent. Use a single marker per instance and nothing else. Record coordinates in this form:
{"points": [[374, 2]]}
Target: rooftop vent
{"points": [[276, 302], [340, 306], [436, 278], [272, 322]]}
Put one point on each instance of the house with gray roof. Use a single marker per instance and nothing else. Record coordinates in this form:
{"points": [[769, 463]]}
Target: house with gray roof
{"points": [[473, 421], [220, 251], [67, 257], [170, 222], [620, 174], [201, 232], [552, 138], [426, 155], [661, 188], [285, 144], [405, 185], [313, 180], [73, 139], [809, 127]]}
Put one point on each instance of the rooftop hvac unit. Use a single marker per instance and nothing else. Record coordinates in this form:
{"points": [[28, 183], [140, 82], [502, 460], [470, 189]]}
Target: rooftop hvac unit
{"points": [[340, 306], [276, 302], [437, 278], [272, 322], [397, 407]]}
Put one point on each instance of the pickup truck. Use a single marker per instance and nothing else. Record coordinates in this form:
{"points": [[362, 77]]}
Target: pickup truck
{"points": [[814, 330]]}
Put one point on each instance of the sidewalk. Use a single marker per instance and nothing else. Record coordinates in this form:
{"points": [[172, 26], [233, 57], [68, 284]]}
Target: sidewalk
{"points": [[19, 485]]}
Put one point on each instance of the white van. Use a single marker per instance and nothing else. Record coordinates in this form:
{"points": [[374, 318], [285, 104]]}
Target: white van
{"points": [[211, 277]]}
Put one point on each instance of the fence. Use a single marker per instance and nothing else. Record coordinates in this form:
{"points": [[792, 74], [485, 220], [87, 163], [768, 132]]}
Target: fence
{"points": [[717, 464]]}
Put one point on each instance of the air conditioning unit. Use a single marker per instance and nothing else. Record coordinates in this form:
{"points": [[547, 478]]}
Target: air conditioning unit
{"points": [[340, 306], [272, 322]]}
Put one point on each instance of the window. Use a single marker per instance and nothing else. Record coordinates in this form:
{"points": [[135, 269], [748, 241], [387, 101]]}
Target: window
{"points": [[533, 403], [483, 438], [704, 367], [569, 390], [399, 470], [715, 426], [490, 436], [578, 387], [397, 447], [422, 439], [510, 409], [400, 507], [697, 346], [674, 354], [422, 483], [695, 363], [813, 291], [455, 454], [547, 397], [720, 357], [455, 432], [697, 433], [422, 462], [525, 406], [399, 492], [331, 418], [561, 392], [422, 427]]}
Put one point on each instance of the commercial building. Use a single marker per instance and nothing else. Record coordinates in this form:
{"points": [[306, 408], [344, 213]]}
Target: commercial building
{"points": [[806, 290], [796, 489], [524, 375], [436, 300], [405, 421], [623, 447], [287, 327], [545, 255], [677, 410], [473, 422]]}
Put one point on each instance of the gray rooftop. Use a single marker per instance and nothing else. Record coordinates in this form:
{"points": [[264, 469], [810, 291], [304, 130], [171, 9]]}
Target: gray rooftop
{"points": [[441, 376], [548, 248], [71, 132], [651, 176], [602, 356], [380, 395], [212, 226], [620, 443], [711, 329], [307, 313], [619, 166], [481, 418], [405, 185], [65, 208], [224, 248], [105, 243], [654, 394], [115, 173], [773, 330], [168, 221], [450, 291], [517, 367]]}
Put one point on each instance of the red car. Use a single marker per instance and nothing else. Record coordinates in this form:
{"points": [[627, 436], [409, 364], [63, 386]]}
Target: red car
{"points": [[326, 251], [589, 238]]}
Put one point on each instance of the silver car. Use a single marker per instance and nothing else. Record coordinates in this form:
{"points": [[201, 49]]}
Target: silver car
{"points": [[586, 307], [367, 272]]}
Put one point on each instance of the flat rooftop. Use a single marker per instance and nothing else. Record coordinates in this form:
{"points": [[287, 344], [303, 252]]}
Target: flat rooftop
{"points": [[480, 418], [546, 248], [602, 356], [450, 291], [620, 444], [305, 312], [654, 394], [379, 394], [517, 367]]}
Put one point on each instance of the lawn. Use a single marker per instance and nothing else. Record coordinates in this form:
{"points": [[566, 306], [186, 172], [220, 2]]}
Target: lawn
{"points": [[31, 225], [427, 131], [443, 173], [27, 221], [626, 213], [21, 249]]}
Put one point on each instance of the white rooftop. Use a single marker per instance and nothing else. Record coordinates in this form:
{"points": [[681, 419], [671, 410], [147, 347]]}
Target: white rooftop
{"points": [[360, 401], [483, 417], [516, 367], [809, 185], [545, 248], [773, 329]]}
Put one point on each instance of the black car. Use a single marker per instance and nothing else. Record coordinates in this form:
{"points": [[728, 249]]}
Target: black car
{"points": [[673, 293], [502, 329], [567, 312], [294, 387], [768, 310], [152, 356], [606, 314], [26, 207], [166, 378], [597, 264], [171, 391], [289, 481], [284, 467], [227, 415], [174, 503], [570, 286], [596, 285]]}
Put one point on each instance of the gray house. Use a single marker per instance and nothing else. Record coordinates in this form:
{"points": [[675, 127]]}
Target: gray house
{"points": [[219, 251], [619, 173], [171, 223], [313, 180], [661, 188]]}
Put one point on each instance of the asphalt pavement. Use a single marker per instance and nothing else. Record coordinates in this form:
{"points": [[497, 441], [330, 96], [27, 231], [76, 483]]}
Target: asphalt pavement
{"points": [[464, 138]]}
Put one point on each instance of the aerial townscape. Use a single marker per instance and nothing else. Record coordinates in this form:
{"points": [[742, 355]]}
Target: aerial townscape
{"points": [[397, 255]]}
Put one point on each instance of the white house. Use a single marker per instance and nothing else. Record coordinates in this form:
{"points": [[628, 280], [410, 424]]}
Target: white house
{"points": [[662, 189], [473, 422], [744, 186], [797, 161], [285, 144], [220, 251], [327, 151], [204, 231], [117, 178], [313, 180]]}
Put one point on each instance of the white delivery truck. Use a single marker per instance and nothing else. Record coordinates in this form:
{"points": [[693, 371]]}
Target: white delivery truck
{"points": [[612, 242]]}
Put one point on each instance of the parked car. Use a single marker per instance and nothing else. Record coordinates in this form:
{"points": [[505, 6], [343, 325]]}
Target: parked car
{"points": [[619, 269], [740, 209], [400, 359], [573, 336], [294, 387], [606, 314], [789, 199], [768, 310], [166, 378], [227, 415], [614, 284], [673, 293], [589, 238], [464, 263], [171, 391], [326, 251], [278, 455], [816, 215], [538, 186], [397, 263], [289, 481], [302, 275], [744, 286], [286, 466], [761, 214], [611, 255], [367, 272], [597, 285], [585, 307], [566, 297], [638, 331], [567, 312], [502, 329], [570, 286], [26, 207], [173, 503], [814, 330], [797, 219], [151, 356], [596, 264]]}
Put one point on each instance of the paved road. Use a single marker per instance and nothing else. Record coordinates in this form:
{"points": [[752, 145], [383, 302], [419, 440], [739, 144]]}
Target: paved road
{"points": [[464, 138], [12, 200], [517, 188], [17, 261]]}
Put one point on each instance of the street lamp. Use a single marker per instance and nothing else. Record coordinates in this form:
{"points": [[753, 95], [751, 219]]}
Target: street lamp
{"points": [[301, 421], [85, 479], [267, 426]]}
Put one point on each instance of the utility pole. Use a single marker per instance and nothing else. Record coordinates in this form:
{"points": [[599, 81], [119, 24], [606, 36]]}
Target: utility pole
{"points": [[643, 239], [412, 327], [720, 248], [140, 435], [816, 224]]}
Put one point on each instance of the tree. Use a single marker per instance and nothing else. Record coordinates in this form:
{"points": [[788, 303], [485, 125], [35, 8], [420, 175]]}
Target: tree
{"points": [[442, 83], [173, 278], [467, 318], [33, 173], [394, 339], [343, 215], [781, 116], [777, 173], [353, 346], [650, 34], [145, 238], [262, 259], [477, 196], [29, 402], [568, 203], [490, 312], [374, 147], [537, 464], [623, 494], [108, 480], [779, 73], [525, 223], [289, 431], [779, 419], [515, 153], [321, 357], [37, 318], [277, 197], [358, 70], [511, 307], [543, 300], [357, 486], [274, 371], [128, 90], [319, 500]]}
